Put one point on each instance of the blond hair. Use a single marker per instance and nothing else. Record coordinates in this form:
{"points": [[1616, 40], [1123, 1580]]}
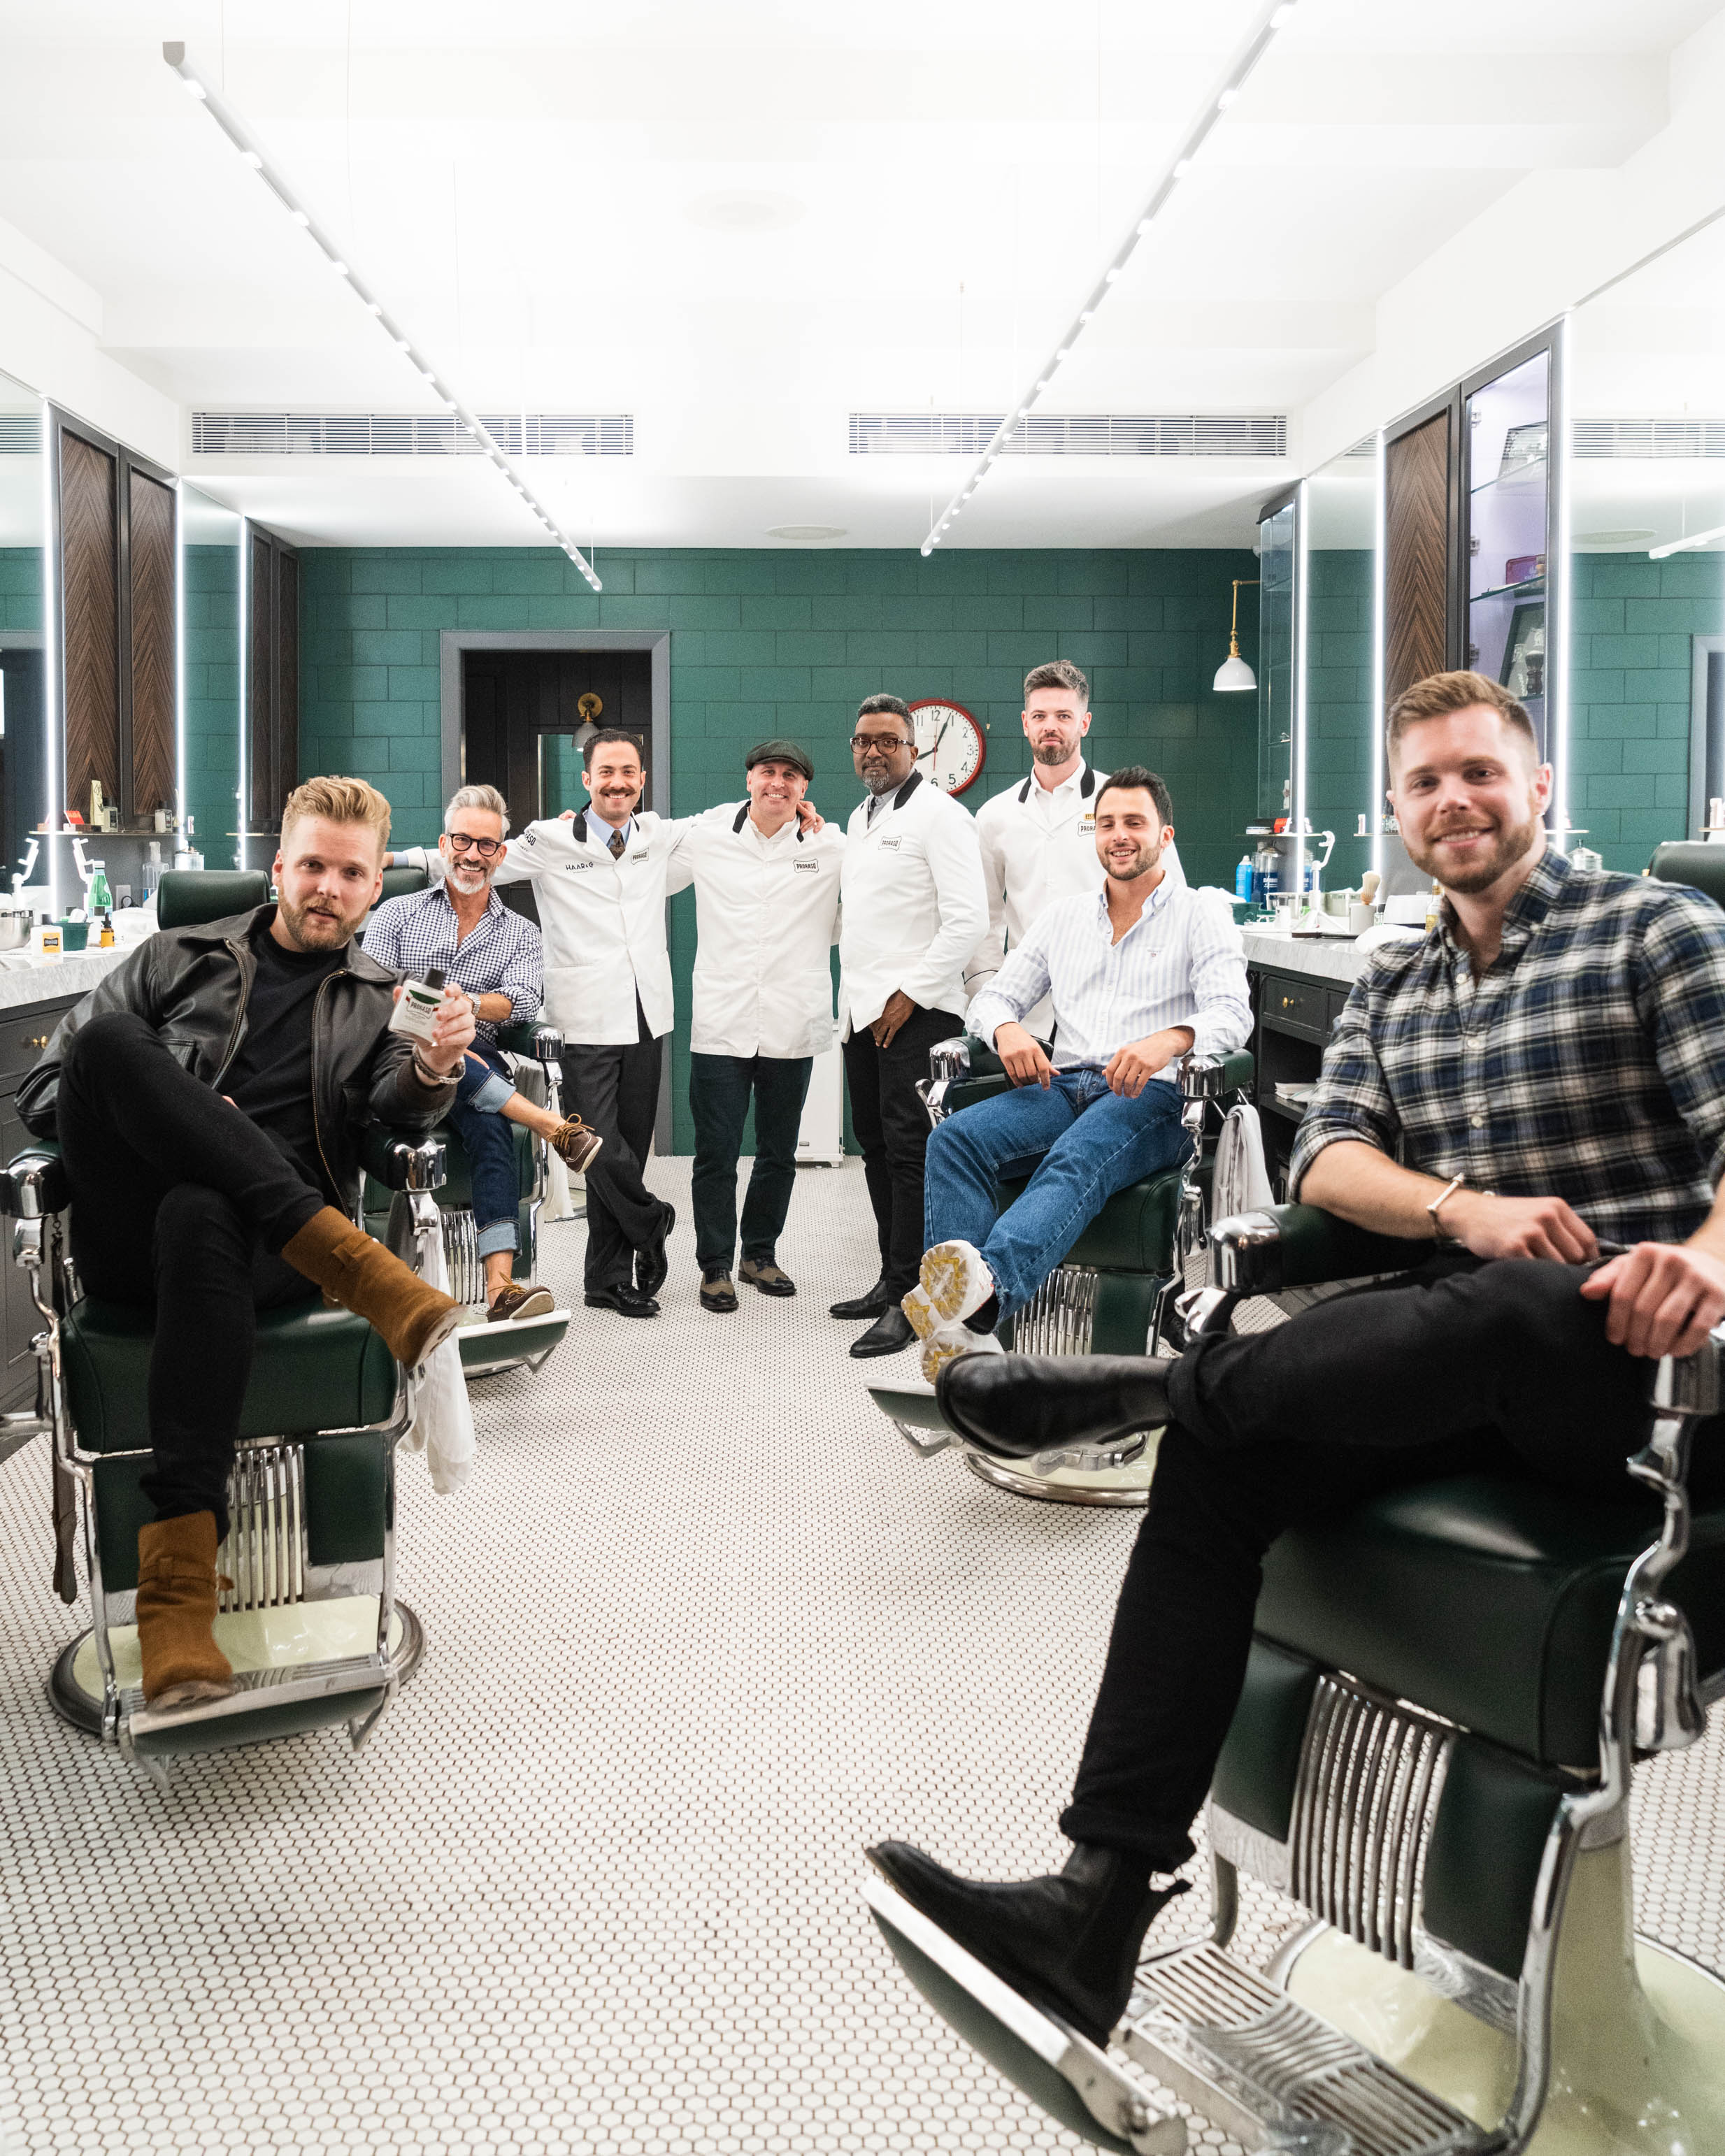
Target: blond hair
{"points": [[338, 801]]}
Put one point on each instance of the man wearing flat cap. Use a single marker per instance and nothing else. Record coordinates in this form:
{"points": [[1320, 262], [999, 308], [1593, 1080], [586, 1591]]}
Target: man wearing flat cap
{"points": [[767, 916]]}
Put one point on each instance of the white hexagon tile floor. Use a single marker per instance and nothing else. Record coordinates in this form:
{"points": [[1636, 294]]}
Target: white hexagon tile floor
{"points": [[700, 1628]]}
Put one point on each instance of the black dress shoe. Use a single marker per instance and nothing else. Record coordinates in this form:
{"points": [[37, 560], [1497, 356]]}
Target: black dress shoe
{"points": [[1019, 1405], [890, 1331], [869, 1304], [626, 1301], [1069, 1943], [651, 1263]]}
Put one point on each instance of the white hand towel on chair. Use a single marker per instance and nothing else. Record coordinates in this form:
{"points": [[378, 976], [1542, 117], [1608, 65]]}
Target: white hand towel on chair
{"points": [[443, 1415]]}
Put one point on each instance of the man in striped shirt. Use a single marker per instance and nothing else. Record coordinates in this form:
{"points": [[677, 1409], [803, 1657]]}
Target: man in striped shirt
{"points": [[1138, 974]]}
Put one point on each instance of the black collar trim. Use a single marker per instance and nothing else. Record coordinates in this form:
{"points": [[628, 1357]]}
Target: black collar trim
{"points": [[907, 790], [1087, 784], [1024, 790], [579, 827], [742, 817]]}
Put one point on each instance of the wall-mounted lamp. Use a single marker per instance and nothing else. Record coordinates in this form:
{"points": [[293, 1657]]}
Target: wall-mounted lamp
{"points": [[1234, 673]]}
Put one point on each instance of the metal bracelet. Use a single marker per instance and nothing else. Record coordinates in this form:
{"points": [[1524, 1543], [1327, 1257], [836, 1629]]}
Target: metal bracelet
{"points": [[1440, 1234], [431, 1077]]}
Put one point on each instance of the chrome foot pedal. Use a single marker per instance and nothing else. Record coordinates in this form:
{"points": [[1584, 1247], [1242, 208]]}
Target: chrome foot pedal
{"points": [[1267, 2070]]}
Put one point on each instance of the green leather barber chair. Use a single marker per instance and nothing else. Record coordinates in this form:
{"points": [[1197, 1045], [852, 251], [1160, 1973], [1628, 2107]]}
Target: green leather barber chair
{"points": [[1449, 1692], [1113, 1293], [536, 1051]]}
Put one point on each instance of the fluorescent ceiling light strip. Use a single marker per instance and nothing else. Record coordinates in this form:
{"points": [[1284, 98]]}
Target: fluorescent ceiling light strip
{"points": [[1270, 19], [174, 53], [1682, 546]]}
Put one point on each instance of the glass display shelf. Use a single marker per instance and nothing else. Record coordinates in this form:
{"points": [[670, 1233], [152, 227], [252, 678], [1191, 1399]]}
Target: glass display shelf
{"points": [[1534, 588], [1518, 478]]}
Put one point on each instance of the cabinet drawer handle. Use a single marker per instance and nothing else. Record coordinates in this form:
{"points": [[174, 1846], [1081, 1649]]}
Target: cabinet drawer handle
{"points": [[1288, 1002], [36, 1040]]}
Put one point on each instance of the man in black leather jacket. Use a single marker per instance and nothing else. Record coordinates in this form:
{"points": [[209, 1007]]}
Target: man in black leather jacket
{"points": [[208, 1098]]}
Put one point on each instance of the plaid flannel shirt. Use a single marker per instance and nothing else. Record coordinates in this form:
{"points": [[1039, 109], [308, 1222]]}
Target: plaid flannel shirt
{"points": [[503, 956], [1585, 1063]]}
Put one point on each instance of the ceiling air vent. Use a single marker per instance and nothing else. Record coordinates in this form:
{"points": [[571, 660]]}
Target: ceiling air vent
{"points": [[1650, 438], [20, 434], [409, 434], [1071, 434]]}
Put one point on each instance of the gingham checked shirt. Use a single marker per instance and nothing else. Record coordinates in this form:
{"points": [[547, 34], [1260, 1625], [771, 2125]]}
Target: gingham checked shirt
{"points": [[1586, 1063], [503, 956]]}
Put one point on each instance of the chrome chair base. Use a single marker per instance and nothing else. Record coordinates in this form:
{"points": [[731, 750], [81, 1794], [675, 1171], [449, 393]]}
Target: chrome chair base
{"points": [[266, 1647], [1123, 1481]]}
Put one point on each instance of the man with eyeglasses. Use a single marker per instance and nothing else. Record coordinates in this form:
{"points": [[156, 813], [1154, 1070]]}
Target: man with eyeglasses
{"points": [[914, 909], [460, 925]]}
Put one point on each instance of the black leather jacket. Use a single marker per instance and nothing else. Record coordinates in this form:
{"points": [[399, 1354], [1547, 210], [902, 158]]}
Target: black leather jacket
{"points": [[192, 984]]}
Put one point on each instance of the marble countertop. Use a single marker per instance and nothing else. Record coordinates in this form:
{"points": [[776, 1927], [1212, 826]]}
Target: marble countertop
{"points": [[25, 979], [1339, 959]]}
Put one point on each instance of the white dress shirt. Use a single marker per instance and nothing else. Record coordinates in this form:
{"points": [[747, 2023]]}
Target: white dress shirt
{"points": [[1039, 843], [915, 906], [766, 917], [603, 920], [1180, 963]]}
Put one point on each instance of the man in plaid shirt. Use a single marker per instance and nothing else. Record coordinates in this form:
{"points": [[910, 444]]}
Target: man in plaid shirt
{"points": [[462, 927], [1533, 1090]]}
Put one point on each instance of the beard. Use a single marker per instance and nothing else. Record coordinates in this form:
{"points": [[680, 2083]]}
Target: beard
{"points": [[1141, 864], [1510, 843], [880, 780], [312, 929], [468, 879], [1052, 751]]}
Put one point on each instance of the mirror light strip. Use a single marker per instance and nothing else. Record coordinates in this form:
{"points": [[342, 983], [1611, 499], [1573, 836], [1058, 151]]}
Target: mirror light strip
{"points": [[1377, 808], [1265, 23], [54, 813], [174, 53], [1559, 544]]}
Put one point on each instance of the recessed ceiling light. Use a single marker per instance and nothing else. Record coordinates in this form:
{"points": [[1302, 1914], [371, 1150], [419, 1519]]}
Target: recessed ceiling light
{"points": [[803, 534], [745, 210]]}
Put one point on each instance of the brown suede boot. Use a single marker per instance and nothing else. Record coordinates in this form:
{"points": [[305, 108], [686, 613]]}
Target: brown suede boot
{"points": [[176, 1612], [365, 1278]]}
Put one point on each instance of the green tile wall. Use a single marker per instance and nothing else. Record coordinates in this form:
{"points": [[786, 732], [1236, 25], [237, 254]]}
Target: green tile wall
{"points": [[787, 642], [1630, 695], [21, 587], [1338, 705], [213, 698]]}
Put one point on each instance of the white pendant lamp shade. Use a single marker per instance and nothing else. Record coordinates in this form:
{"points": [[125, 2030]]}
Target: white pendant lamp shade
{"points": [[1234, 673]]}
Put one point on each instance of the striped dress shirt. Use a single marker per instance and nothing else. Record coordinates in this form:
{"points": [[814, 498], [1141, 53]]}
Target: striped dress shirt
{"points": [[1180, 963]]}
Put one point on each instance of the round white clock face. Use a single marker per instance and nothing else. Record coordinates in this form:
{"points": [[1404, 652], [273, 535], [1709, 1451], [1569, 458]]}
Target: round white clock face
{"points": [[949, 743]]}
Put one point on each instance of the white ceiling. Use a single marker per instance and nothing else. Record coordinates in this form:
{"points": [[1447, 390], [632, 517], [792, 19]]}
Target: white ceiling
{"points": [[540, 194]]}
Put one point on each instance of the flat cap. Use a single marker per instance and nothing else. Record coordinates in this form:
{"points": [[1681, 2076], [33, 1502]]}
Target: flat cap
{"points": [[779, 751]]}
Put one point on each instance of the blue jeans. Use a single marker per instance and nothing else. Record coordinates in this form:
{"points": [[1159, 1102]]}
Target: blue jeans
{"points": [[484, 1085], [1087, 1143]]}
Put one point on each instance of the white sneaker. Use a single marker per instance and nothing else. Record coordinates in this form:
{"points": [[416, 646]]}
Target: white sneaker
{"points": [[952, 1283], [947, 1342]]}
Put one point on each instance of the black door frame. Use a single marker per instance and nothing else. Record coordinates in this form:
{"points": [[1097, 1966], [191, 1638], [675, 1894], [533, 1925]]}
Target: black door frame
{"points": [[453, 643]]}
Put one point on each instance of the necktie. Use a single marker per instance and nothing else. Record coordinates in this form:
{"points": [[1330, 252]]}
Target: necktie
{"points": [[617, 845]]}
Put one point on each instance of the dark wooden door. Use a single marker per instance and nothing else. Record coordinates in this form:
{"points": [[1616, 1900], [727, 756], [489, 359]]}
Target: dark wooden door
{"points": [[151, 569], [273, 679], [1418, 524], [511, 698], [90, 546]]}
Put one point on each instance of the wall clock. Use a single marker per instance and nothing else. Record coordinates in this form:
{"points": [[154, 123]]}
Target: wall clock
{"points": [[949, 743]]}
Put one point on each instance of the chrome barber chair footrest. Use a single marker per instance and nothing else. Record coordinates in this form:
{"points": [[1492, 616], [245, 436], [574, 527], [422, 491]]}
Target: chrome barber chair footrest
{"points": [[1263, 2068], [1119, 1477]]}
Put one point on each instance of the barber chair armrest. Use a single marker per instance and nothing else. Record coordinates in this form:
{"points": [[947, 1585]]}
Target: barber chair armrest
{"points": [[35, 1183], [402, 1160], [1300, 1245], [532, 1038], [1213, 1077]]}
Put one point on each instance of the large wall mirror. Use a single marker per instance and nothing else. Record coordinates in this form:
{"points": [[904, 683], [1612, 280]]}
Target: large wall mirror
{"points": [[1646, 733], [1340, 613], [25, 683], [212, 682]]}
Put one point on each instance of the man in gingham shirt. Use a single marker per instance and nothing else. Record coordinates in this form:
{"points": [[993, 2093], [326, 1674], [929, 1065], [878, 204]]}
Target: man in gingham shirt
{"points": [[1535, 1080], [460, 926]]}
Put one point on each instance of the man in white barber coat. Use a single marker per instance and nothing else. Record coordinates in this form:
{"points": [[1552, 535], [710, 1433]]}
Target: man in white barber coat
{"points": [[914, 909], [600, 880], [1039, 837], [767, 914]]}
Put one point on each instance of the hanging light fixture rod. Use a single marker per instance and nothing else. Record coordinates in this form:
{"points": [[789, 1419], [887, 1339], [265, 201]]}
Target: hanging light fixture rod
{"points": [[174, 53], [1270, 19]]}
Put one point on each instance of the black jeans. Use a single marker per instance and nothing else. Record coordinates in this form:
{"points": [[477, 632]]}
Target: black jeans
{"points": [[181, 1203], [719, 1089], [891, 1126], [615, 1090], [1458, 1366]]}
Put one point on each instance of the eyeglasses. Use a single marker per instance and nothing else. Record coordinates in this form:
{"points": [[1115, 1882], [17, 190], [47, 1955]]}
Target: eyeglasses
{"points": [[879, 741], [486, 849]]}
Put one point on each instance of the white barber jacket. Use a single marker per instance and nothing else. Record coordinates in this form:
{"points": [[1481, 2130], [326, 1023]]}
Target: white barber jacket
{"points": [[766, 917], [915, 906], [1039, 844], [602, 922]]}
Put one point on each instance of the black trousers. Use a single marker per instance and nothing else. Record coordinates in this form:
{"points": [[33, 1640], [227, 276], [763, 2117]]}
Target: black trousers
{"points": [[891, 1126], [615, 1090], [182, 1203], [719, 1091], [1460, 1366]]}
